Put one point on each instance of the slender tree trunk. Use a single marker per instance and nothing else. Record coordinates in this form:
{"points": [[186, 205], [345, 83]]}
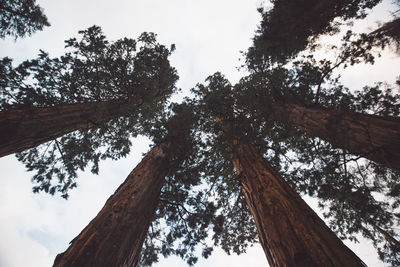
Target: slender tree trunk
{"points": [[376, 138], [116, 235], [290, 232], [22, 129]]}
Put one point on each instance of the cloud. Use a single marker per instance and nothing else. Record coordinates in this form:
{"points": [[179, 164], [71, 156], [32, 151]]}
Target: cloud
{"points": [[20, 250]]}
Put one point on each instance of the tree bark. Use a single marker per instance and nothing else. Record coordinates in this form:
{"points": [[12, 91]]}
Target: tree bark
{"points": [[21, 129], [390, 29], [376, 138], [290, 232], [115, 236]]}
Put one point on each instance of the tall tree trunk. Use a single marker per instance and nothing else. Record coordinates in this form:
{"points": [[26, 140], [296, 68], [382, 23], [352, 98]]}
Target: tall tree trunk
{"points": [[116, 235], [374, 137], [390, 29], [290, 232], [22, 129]]}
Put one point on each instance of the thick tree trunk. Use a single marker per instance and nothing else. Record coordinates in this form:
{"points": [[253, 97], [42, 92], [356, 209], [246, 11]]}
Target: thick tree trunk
{"points": [[376, 138], [116, 235], [390, 29], [290, 232], [22, 129]]}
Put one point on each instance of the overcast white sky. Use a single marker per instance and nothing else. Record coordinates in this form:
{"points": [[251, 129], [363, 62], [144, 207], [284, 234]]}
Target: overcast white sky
{"points": [[209, 36]]}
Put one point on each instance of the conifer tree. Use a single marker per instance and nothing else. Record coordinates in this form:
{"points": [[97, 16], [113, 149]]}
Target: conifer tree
{"points": [[345, 184], [20, 18], [26, 128], [365, 122], [290, 232], [202, 192], [290, 26], [285, 223], [309, 165], [115, 236], [186, 212], [298, 91], [374, 137], [106, 90]]}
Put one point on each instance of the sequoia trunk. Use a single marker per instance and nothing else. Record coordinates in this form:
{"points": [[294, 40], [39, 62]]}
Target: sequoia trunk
{"points": [[22, 129], [391, 29], [116, 235], [374, 137], [290, 232]]}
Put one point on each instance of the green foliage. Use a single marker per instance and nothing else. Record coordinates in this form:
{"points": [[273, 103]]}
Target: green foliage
{"points": [[134, 73], [191, 214], [184, 214], [346, 185], [92, 70], [201, 204], [356, 194], [342, 182], [360, 196], [19, 18], [290, 26]]}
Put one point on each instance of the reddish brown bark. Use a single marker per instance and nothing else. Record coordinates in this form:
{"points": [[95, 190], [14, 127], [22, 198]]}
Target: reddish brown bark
{"points": [[374, 137], [26, 128], [116, 235], [290, 232]]}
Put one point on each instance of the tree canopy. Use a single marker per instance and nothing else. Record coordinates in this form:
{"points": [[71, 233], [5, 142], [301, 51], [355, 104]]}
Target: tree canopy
{"points": [[290, 26], [191, 215], [202, 204], [134, 73], [339, 180], [19, 18]]}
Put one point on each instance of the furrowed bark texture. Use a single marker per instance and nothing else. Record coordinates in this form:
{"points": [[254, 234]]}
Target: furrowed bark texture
{"points": [[376, 138], [290, 232], [26, 128], [115, 236]]}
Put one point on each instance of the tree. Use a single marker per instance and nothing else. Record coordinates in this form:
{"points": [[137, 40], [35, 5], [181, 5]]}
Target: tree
{"points": [[264, 190], [325, 168], [186, 212], [115, 236], [308, 98], [114, 88], [289, 26], [289, 230], [374, 137], [285, 223], [20, 18], [95, 73], [336, 177], [344, 184], [189, 215], [26, 128], [390, 29], [127, 215]]}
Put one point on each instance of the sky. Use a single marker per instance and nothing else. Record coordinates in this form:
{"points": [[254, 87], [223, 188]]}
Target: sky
{"points": [[209, 36]]}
